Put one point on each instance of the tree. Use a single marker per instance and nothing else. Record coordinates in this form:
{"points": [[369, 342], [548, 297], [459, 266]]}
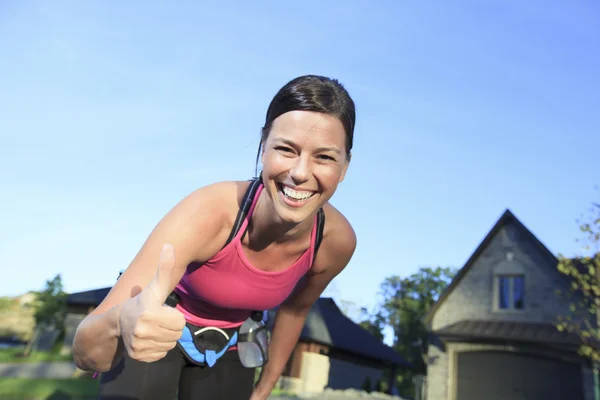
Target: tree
{"points": [[405, 303], [374, 324], [49, 310], [351, 310], [50, 304], [584, 271]]}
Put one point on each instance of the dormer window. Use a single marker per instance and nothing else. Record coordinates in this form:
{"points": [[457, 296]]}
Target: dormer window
{"points": [[510, 292]]}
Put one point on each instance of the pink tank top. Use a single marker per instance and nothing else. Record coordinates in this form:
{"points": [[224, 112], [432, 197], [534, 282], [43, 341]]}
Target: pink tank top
{"points": [[223, 291]]}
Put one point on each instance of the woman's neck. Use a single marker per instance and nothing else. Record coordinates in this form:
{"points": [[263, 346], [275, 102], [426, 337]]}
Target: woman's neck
{"points": [[266, 227]]}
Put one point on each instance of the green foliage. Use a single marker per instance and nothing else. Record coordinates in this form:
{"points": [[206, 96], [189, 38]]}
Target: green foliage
{"points": [[374, 324], [15, 355], [6, 303], [381, 386], [50, 304], [405, 303], [584, 272]]}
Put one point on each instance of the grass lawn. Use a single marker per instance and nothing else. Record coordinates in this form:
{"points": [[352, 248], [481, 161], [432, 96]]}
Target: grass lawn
{"points": [[14, 355], [48, 389], [57, 389]]}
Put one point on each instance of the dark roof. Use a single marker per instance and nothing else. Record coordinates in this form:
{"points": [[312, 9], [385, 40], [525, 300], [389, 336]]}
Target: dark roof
{"points": [[325, 324], [506, 217], [89, 297], [510, 331]]}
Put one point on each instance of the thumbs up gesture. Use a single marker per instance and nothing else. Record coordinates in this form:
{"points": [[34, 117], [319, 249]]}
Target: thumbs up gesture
{"points": [[148, 328]]}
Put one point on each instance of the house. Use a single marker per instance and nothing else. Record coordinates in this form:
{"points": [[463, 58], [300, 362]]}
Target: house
{"points": [[332, 351], [492, 332]]}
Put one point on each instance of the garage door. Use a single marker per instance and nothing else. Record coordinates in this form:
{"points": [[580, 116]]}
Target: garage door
{"points": [[511, 376]]}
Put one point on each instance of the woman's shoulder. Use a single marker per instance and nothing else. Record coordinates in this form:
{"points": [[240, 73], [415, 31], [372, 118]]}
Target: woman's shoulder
{"points": [[336, 223], [220, 199], [210, 208], [339, 240]]}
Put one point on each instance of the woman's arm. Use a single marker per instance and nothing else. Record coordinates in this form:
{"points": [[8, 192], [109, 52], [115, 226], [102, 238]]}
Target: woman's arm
{"points": [[196, 228], [335, 252]]}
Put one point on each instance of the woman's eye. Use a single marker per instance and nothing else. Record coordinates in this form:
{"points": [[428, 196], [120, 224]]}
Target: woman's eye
{"points": [[326, 157], [284, 149]]}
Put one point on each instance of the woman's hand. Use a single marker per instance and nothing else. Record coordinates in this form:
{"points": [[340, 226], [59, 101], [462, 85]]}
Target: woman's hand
{"points": [[259, 395], [148, 328]]}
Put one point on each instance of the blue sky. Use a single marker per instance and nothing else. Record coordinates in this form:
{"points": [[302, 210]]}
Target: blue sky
{"points": [[113, 111]]}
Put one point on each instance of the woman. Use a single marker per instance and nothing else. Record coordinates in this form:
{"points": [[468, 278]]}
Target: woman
{"points": [[222, 268]]}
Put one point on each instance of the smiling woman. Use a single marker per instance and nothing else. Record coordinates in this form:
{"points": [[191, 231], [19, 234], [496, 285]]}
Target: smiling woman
{"points": [[194, 293]]}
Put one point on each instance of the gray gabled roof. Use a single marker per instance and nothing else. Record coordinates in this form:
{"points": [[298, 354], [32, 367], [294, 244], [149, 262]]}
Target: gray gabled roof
{"points": [[325, 324], [506, 217]]}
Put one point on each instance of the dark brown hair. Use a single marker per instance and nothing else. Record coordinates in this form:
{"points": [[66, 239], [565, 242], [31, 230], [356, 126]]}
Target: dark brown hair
{"points": [[312, 93]]}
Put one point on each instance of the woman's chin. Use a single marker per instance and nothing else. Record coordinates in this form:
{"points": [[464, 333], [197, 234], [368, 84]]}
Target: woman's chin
{"points": [[295, 212]]}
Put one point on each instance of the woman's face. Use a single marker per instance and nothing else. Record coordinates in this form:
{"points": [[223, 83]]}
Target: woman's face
{"points": [[304, 159]]}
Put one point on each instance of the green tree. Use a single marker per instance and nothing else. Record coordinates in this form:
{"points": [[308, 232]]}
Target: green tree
{"points": [[374, 324], [584, 273], [50, 304], [405, 302], [49, 309]]}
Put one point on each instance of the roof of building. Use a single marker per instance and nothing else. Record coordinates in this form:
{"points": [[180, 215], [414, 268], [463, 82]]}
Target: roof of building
{"points": [[544, 333], [88, 298], [325, 324], [506, 217]]}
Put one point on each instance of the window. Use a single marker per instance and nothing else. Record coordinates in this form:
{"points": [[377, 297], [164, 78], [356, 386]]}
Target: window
{"points": [[511, 292]]}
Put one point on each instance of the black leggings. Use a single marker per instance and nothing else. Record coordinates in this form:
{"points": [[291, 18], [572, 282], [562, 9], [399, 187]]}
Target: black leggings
{"points": [[228, 379]]}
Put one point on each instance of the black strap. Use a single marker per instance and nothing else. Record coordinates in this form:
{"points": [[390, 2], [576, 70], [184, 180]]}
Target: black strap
{"points": [[244, 209], [320, 229]]}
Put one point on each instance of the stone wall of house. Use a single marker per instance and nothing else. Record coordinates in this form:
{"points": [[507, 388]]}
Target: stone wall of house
{"points": [[475, 297]]}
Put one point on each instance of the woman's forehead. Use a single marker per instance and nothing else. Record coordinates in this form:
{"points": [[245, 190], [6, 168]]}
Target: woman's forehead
{"points": [[308, 127]]}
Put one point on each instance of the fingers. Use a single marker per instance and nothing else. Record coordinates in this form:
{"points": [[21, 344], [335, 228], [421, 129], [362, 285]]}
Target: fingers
{"points": [[149, 352], [149, 345], [163, 324], [163, 335], [171, 319], [161, 284]]}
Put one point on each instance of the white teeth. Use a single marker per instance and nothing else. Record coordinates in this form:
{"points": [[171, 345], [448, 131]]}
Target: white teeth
{"points": [[296, 194]]}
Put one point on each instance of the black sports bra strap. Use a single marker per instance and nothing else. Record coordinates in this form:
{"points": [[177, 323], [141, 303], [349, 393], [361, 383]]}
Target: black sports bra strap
{"points": [[320, 228], [243, 211]]}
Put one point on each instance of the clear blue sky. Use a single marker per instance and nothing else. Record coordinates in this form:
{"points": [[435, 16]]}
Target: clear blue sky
{"points": [[111, 112]]}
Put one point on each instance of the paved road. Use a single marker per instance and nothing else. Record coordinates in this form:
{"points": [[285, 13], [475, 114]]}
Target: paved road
{"points": [[37, 370]]}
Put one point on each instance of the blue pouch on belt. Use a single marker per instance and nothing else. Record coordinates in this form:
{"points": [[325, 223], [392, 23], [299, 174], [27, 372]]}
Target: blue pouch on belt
{"points": [[205, 345]]}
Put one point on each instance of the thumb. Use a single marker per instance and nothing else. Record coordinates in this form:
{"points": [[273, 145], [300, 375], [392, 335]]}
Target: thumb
{"points": [[161, 284]]}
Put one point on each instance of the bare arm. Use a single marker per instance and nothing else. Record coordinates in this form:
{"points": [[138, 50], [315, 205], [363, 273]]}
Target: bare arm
{"points": [[196, 229], [336, 251]]}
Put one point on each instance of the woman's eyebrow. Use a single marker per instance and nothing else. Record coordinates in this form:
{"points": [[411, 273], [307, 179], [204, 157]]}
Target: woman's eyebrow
{"points": [[292, 144]]}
